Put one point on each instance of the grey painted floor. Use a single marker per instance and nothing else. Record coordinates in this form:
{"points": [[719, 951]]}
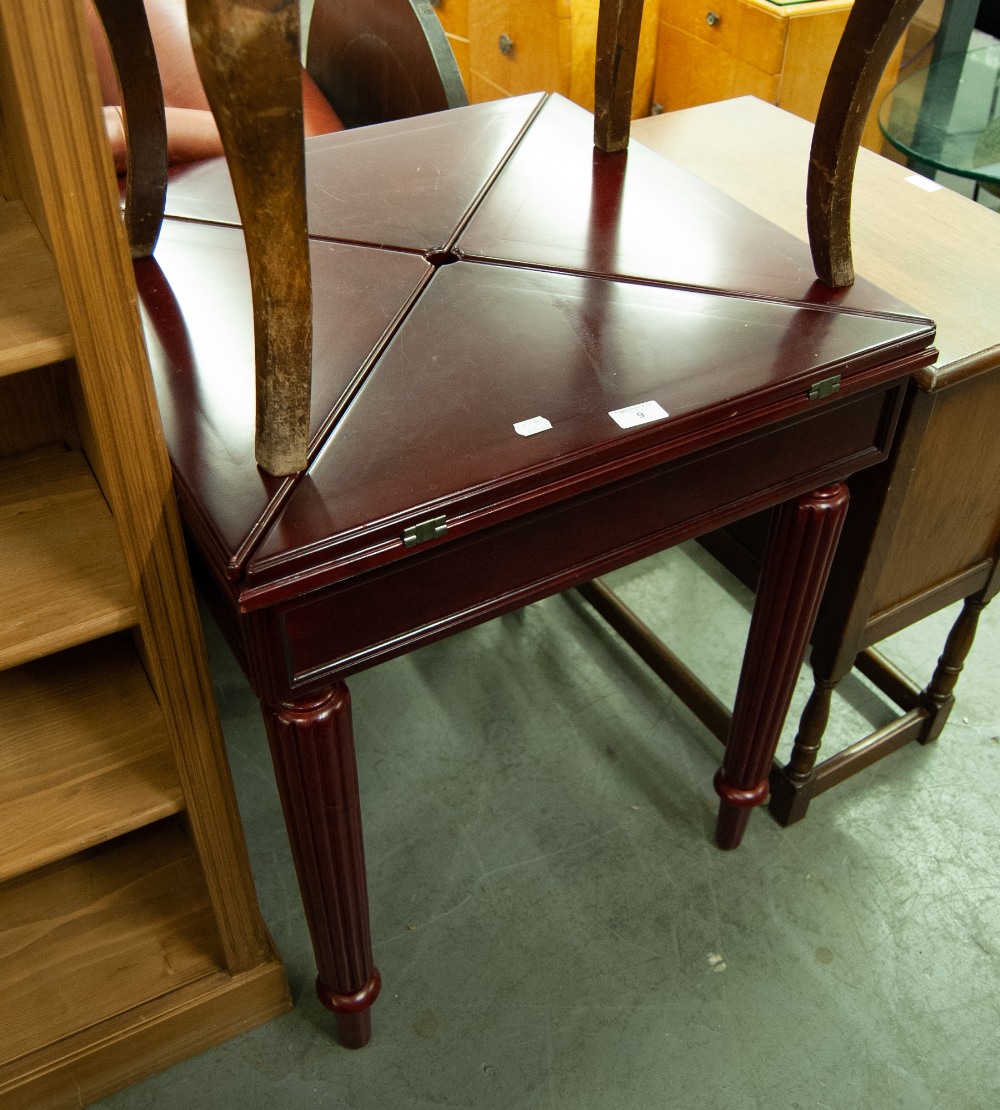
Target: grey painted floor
{"points": [[554, 927]]}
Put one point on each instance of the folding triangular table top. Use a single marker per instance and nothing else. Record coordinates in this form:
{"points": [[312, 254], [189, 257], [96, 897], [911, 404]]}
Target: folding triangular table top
{"points": [[531, 363]]}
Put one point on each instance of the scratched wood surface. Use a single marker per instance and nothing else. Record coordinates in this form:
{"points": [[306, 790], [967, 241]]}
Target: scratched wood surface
{"points": [[618, 26], [873, 29], [257, 102]]}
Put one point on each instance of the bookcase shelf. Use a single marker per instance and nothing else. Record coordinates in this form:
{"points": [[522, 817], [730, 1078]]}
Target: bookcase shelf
{"points": [[63, 579], [99, 933], [34, 328], [130, 935], [84, 755]]}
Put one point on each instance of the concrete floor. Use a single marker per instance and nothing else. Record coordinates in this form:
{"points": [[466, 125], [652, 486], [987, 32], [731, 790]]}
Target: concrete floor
{"points": [[554, 927]]}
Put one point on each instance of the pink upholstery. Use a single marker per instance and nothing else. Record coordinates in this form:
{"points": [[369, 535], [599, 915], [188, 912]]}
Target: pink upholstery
{"points": [[191, 130]]}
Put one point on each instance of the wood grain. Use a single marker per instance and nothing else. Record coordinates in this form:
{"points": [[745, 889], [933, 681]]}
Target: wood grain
{"points": [[64, 164], [810, 46], [124, 958], [84, 755], [7, 189], [89, 938], [618, 27], [690, 71], [929, 536], [752, 32], [951, 518], [554, 48], [256, 99], [63, 579], [93, 1063], [454, 16], [131, 44], [754, 48], [870, 38], [36, 410], [21, 182], [34, 327], [584, 36], [539, 58]]}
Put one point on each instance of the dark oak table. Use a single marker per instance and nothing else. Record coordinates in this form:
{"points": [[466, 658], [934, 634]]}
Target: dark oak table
{"points": [[532, 364]]}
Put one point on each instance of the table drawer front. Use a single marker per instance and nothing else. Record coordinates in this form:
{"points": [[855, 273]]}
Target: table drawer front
{"points": [[690, 71], [454, 585], [454, 16], [521, 45], [548, 46], [751, 34]]}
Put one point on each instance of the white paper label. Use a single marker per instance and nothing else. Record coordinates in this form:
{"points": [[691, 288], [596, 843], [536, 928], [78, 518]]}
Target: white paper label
{"points": [[533, 426], [922, 182], [635, 415]]}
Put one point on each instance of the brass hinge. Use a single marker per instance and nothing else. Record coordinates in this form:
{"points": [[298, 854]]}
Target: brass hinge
{"points": [[826, 388], [425, 530]]}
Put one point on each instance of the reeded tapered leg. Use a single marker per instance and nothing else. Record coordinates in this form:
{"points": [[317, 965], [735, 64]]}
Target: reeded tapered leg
{"points": [[312, 746], [797, 562]]}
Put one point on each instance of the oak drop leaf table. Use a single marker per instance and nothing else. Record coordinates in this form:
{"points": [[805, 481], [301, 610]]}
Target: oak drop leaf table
{"points": [[531, 364]]}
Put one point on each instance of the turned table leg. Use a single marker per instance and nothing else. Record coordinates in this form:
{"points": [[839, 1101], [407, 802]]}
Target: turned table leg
{"points": [[939, 695], [790, 795], [312, 746], [797, 562]]}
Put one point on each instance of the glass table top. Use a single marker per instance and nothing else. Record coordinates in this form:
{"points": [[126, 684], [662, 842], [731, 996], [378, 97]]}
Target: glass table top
{"points": [[947, 116]]}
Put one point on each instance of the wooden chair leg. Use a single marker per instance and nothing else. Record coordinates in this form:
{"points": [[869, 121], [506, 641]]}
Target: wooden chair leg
{"points": [[131, 47], [870, 36], [797, 562], [618, 25], [248, 59], [312, 746]]}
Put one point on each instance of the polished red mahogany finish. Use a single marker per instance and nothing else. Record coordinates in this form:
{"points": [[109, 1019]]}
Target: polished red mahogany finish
{"points": [[478, 275]]}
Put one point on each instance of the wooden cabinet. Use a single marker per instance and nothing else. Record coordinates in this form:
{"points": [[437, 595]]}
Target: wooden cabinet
{"points": [[508, 47], [129, 930], [710, 50], [691, 51]]}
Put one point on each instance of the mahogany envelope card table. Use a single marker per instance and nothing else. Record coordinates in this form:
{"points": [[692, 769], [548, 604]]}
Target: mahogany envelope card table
{"points": [[532, 363]]}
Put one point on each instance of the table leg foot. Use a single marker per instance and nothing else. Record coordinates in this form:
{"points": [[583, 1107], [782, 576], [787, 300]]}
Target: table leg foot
{"points": [[796, 565], [312, 746], [354, 1030], [352, 1011], [734, 809]]}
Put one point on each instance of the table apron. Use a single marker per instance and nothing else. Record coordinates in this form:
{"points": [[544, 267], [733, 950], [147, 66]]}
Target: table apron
{"points": [[305, 643]]}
